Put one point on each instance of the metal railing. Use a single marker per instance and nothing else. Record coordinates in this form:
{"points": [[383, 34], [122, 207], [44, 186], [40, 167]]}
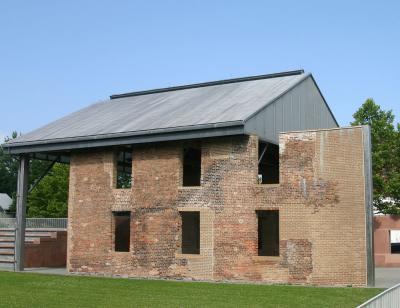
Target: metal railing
{"points": [[388, 298], [36, 223], [8, 223], [4, 215]]}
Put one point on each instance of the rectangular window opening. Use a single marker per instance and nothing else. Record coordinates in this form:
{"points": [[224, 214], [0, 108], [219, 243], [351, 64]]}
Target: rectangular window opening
{"points": [[268, 233], [395, 241], [124, 168], [190, 232], [122, 231], [191, 166], [268, 163]]}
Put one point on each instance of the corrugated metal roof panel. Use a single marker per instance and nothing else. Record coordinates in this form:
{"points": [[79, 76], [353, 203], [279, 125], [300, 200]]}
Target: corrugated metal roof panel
{"points": [[183, 108]]}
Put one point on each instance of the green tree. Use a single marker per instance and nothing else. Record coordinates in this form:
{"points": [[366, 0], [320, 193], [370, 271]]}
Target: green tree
{"points": [[385, 139], [50, 197], [8, 171], [8, 182]]}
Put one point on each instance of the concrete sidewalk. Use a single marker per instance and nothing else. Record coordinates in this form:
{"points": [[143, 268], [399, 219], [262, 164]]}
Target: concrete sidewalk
{"points": [[47, 270], [386, 277]]}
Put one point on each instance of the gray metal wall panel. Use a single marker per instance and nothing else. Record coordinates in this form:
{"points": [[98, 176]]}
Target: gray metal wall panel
{"points": [[301, 108]]}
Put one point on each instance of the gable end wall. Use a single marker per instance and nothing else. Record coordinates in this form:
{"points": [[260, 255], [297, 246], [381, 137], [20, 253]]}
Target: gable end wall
{"points": [[320, 200], [301, 108]]}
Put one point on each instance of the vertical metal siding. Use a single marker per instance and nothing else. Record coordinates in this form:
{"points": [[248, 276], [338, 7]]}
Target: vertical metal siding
{"points": [[389, 298], [299, 109]]}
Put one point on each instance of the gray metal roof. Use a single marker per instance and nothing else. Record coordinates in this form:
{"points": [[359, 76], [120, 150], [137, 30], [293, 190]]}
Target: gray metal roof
{"points": [[210, 106]]}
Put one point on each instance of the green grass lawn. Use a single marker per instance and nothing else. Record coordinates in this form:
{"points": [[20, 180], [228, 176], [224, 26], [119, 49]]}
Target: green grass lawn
{"points": [[39, 290]]}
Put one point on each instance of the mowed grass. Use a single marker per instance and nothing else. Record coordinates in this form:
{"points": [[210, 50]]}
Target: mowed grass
{"points": [[39, 290]]}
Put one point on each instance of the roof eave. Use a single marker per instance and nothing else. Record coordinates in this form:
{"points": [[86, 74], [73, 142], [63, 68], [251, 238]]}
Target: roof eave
{"points": [[236, 128]]}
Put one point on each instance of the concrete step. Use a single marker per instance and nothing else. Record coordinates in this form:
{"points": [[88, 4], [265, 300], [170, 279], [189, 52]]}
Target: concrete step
{"points": [[35, 229], [6, 250], [6, 258], [41, 229], [7, 245], [7, 265], [32, 240], [30, 237], [7, 234], [7, 253], [6, 239], [40, 234], [7, 229], [27, 240]]}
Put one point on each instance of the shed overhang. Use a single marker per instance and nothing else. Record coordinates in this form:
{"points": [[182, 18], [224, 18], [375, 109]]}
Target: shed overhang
{"points": [[44, 148], [263, 105]]}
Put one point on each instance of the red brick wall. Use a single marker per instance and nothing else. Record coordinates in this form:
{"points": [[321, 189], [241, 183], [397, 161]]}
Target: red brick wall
{"points": [[382, 226], [320, 200]]}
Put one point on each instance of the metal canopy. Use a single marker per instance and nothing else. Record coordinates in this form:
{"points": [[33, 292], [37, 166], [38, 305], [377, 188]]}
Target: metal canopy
{"points": [[194, 111], [220, 108]]}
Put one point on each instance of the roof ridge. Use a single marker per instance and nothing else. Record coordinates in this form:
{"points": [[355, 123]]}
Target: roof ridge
{"points": [[207, 84]]}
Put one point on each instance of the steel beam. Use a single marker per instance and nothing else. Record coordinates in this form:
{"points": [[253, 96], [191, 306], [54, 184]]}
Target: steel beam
{"points": [[22, 192], [42, 176], [263, 153], [369, 214]]}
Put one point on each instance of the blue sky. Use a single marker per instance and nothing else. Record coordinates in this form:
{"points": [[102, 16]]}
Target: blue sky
{"points": [[59, 56]]}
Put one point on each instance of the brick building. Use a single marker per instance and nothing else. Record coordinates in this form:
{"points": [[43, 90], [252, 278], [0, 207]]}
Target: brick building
{"points": [[248, 179], [387, 240]]}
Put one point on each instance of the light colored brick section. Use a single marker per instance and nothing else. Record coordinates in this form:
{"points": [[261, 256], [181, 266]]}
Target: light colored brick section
{"points": [[200, 266], [122, 199], [221, 150]]}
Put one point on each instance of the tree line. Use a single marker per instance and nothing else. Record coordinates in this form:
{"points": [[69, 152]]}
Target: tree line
{"points": [[49, 198]]}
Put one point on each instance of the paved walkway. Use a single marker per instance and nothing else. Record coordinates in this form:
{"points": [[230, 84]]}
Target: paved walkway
{"points": [[47, 270], [386, 277]]}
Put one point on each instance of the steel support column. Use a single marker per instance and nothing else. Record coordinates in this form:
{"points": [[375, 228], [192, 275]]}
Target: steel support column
{"points": [[22, 192], [369, 211]]}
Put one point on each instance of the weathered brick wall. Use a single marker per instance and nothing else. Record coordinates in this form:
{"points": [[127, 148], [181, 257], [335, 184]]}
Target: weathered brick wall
{"points": [[320, 200]]}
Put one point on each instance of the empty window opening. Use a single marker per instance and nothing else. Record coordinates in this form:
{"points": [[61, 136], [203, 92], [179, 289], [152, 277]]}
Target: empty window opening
{"points": [[395, 241], [122, 230], [191, 167], [268, 163], [124, 169], [190, 232], [268, 233]]}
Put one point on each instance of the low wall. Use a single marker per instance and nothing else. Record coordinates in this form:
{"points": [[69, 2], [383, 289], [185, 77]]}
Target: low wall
{"points": [[382, 226], [47, 252]]}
